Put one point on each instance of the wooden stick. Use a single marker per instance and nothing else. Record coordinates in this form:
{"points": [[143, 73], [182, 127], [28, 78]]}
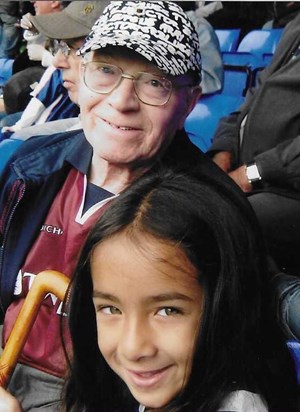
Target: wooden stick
{"points": [[47, 281]]}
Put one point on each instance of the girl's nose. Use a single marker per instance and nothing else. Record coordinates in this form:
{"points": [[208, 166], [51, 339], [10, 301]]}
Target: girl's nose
{"points": [[137, 341]]}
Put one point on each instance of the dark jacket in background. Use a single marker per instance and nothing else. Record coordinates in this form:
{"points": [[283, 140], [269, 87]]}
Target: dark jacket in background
{"points": [[272, 132]]}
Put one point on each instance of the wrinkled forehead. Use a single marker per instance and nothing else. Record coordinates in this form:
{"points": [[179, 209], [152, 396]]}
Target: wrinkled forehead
{"points": [[121, 55], [125, 59], [118, 52]]}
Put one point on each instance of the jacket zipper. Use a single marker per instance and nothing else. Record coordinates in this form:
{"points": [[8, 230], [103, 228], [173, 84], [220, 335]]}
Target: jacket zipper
{"points": [[15, 200]]}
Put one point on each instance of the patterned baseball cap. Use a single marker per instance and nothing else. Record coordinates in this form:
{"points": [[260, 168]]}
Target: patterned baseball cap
{"points": [[160, 31]]}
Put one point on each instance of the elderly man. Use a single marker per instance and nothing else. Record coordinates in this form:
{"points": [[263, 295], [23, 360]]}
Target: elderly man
{"points": [[140, 80]]}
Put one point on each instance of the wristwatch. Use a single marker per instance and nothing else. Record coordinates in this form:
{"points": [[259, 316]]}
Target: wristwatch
{"points": [[252, 173]]}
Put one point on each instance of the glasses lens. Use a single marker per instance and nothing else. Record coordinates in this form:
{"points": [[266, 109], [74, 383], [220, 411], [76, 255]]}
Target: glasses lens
{"points": [[101, 77], [152, 89], [59, 45], [52, 47]]}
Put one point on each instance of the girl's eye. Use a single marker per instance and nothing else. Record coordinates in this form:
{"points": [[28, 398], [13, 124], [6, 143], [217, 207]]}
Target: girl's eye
{"points": [[169, 311], [110, 310]]}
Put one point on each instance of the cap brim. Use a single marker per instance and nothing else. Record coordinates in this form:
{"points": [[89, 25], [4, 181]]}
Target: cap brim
{"points": [[60, 26], [159, 31], [145, 48]]}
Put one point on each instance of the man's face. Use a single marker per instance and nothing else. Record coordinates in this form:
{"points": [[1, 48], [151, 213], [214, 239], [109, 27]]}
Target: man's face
{"points": [[123, 130], [43, 7], [70, 67]]}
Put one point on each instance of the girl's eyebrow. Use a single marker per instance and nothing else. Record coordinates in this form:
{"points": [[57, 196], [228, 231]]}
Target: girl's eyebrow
{"points": [[108, 296], [163, 297], [169, 296]]}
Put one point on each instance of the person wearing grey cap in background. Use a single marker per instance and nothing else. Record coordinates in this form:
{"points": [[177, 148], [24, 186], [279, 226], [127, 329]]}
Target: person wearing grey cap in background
{"points": [[139, 81], [72, 24]]}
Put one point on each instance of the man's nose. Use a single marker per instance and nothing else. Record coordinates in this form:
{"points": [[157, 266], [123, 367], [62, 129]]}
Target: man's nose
{"points": [[123, 97], [60, 61]]}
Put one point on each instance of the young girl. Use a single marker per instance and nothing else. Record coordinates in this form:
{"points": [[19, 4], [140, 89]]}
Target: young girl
{"points": [[171, 309]]}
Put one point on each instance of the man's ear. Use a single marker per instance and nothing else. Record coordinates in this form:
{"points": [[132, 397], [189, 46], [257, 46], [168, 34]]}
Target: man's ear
{"points": [[56, 5], [195, 95], [192, 98]]}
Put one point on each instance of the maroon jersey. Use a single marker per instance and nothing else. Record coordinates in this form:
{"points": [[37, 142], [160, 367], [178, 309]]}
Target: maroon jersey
{"points": [[57, 248]]}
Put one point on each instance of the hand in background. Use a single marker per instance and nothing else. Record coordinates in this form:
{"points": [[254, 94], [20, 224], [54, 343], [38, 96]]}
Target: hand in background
{"points": [[223, 160], [11, 129], [241, 179], [25, 22], [8, 403], [35, 52]]}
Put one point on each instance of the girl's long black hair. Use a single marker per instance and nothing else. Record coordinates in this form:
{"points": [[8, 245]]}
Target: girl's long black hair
{"points": [[240, 344]]}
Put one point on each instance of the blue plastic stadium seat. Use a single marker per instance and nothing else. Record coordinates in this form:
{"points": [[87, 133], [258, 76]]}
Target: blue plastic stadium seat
{"points": [[259, 42], [202, 122], [267, 57], [237, 80], [228, 39], [7, 148], [255, 52], [5, 70], [237, 58], [294, 347]]}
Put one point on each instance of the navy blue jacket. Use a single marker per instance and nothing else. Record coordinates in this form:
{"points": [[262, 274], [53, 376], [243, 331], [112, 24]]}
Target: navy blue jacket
{"points": [[38, 170]]}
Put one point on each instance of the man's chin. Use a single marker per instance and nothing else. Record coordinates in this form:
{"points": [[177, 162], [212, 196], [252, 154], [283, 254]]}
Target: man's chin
{"points": [[73, 96]]}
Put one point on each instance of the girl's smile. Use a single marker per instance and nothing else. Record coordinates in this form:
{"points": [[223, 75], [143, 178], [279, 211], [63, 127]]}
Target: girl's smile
{"points": [[148, 379]]}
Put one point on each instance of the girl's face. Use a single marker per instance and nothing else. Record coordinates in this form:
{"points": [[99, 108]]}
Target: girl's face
{"points": [[148, 305]]}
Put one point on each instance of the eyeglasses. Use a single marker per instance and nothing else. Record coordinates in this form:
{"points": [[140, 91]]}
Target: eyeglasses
{"points": [[149, 88], [60, 45]]}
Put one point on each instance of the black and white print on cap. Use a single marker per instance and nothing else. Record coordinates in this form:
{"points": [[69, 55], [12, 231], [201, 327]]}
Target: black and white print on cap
{"points": [[160, 31]]}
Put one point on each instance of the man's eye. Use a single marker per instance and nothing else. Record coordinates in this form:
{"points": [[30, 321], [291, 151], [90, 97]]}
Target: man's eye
{"points": [[156, 83], [110, 310], [168, 311], [106, 70]]}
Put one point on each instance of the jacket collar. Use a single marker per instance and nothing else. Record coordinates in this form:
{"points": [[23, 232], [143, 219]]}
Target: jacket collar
{"points": [[43, 159]]}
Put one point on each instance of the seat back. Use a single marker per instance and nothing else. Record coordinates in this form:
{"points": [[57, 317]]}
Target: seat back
{"points": [[48, 281], [228, 39], [202, 122], [7, 148], [294, 348], [259, 42], [237, 80], [5, 70], [255, 50], [236, 58]]}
